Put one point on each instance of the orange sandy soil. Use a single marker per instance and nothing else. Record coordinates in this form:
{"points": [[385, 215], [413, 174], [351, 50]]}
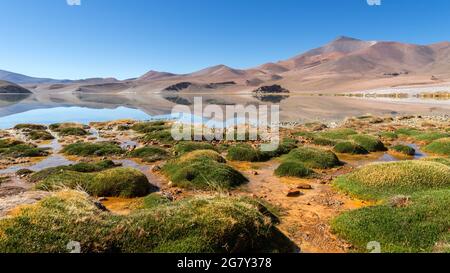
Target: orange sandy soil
{"points": [[305, 219]]}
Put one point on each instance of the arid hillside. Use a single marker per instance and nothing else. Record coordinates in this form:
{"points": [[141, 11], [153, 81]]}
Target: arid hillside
{"points": [[343, 65]]}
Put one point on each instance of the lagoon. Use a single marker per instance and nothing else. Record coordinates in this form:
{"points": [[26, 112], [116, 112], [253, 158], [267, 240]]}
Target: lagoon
{"points": [[298, 108]]}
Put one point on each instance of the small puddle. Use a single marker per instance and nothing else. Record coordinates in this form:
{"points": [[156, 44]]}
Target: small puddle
{"points": [[95, 133], [121, 206], [127, 144], [53, 160], [419, 154], [387, 158]]}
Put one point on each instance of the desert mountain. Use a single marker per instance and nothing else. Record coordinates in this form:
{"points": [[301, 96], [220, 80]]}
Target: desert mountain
{"points": [[23, 79], [11, 88], [27, 80], [154, 75], [344, 64]]}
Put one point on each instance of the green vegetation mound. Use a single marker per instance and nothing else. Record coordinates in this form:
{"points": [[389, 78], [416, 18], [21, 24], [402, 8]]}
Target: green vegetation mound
{"points": [[293, 169], [440, 147], [408, 132], [386, 179], [150, 127], [197, 225], [420, 225], [244, 152], [445, 161], [74, 131], [40, 135], [26, 126], [93, 149], [70, 129], [389, 135], [431, 136], [201, 154], [350, 148], [321, 141], [164, 136], [188, 146], [117, 182], [370, 143], [203, 170], [338, 134], [404, 149], [313, 158], [150, 153], [153, 200], [79, 167], [18, 149]]}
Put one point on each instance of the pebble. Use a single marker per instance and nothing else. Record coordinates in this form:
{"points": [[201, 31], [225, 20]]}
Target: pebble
{"points": [[294, 193], [304, 186], [156, 169]]}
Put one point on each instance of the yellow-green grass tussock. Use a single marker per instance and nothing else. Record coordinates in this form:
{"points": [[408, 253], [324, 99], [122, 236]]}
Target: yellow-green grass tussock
{"points": [[203, 169], [116, 182], [378, 181], [421, 224], [195, 225], [440, 147], [313, 158]]}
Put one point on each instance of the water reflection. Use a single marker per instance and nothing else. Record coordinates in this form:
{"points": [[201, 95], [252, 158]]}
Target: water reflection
{"points": [[81, 107], [271, 98], [178, 100], [13, 98]]}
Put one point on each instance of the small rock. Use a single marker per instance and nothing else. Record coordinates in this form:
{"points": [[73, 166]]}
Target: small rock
{"points": [[100, 206], [294, 193], [156, 169], [255, 173], [319, 127], [168, 195], [304, 186]]}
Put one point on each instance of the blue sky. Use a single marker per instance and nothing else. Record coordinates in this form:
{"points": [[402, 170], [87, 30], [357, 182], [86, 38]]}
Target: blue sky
{"points": [[126, 38]]}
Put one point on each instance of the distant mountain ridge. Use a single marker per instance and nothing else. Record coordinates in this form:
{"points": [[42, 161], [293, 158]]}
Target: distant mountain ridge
{"points": [[24, 79], [12, 88], [338, 64], [343, 64]]}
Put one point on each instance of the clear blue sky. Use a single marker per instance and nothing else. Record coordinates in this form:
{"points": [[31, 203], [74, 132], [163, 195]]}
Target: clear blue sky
{"points": [[126, 38]]}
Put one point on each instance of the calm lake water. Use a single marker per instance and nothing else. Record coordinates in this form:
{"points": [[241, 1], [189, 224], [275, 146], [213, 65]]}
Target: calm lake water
{"points": [[84, 108]]}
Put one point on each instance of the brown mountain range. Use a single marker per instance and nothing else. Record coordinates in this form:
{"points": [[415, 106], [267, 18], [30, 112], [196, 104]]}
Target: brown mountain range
{"points": [[345, 64]]}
